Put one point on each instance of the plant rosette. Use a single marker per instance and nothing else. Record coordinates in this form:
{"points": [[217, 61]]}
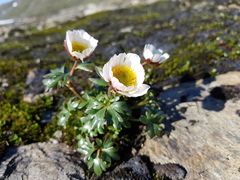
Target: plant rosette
{"points": [[98, 116]]}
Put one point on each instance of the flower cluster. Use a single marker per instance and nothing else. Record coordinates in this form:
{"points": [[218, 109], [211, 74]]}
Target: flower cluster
{"points": [[102, 113], [123, 72]]}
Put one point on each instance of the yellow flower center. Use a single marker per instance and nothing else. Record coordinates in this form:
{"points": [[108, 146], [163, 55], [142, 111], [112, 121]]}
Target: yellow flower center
{"points": [[79, 47], [125, 75]]}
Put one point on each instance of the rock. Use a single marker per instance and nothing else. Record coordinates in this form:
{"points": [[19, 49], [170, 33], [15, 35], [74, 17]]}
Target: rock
{"points": [[171, 171], [41, 161], [230, 78], [135, 168], [140, 168], [3, 84], [202, 131], [34, 85]]}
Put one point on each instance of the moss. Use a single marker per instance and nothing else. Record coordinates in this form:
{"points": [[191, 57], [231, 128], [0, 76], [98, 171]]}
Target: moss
{"points": [[20, 121], [209, 46]]}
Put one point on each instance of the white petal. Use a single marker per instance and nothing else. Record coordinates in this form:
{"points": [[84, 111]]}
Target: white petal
{"points": [[78, 55], [119, 86], [106, 69], [149, 47], [164, 57], [141, 91], [132, 60], [147, 54], [156, 58], [158, 51]]}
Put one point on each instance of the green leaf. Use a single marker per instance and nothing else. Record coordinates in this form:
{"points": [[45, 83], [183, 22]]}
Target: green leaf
{"points": [[97, 167], [72, 104], [56, 78], [82, 104], [90, 163], [150, 131], [111, 151], [115, 115], [98, 81], [93, 104], [15, 138], [99, 71], [87, 118], [103, 165], [99, 143], [108, 142], [153, 122], [86, 96], [157, 130], [99, 120], [86, 67], [63, 117], [121, 107], [114, 119]]}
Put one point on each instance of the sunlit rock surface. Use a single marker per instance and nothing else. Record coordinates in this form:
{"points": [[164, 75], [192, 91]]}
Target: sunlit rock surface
{"points": [[202, 132]]}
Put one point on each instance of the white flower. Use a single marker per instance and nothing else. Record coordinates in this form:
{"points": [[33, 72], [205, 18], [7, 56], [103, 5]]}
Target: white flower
{"points": [[126, 75], [79, 44], [154, 55]]}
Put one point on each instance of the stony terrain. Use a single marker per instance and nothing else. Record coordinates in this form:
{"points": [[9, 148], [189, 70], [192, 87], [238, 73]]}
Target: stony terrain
{"points": [[201, 141]]}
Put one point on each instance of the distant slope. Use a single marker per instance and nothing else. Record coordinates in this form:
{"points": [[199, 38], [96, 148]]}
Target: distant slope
{"points": [[30, 8], [46, 8]]}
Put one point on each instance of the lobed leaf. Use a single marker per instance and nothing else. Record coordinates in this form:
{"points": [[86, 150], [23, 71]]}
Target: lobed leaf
{"points": [[86, 66], [98, 81]]}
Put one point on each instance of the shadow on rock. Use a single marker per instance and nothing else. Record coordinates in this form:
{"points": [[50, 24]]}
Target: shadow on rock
{"points": [[213, 94], [186, 92]]}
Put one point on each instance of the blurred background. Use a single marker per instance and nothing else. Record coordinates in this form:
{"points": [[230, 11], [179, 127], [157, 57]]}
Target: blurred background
{"points": [[24, 10]]}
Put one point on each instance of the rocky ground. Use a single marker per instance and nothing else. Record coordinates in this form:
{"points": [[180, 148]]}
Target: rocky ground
{"points": [[202, 132], [199, 86], [201, 141]]}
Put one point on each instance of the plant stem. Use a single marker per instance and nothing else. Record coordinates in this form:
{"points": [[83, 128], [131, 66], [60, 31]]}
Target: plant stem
{"points": [[109, 91], [142, 103], [70, 84], [144, 63], [73, 68]]}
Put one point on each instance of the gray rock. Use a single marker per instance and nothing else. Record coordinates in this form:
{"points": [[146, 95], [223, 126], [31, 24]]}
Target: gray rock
{"points": [[41, 161], [171, 171], [202, 131], [34, 85], [3, 84], [135, 168]]}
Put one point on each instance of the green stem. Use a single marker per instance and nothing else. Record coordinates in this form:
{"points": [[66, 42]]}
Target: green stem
{"points": [[142, 103], [134, 120]]}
